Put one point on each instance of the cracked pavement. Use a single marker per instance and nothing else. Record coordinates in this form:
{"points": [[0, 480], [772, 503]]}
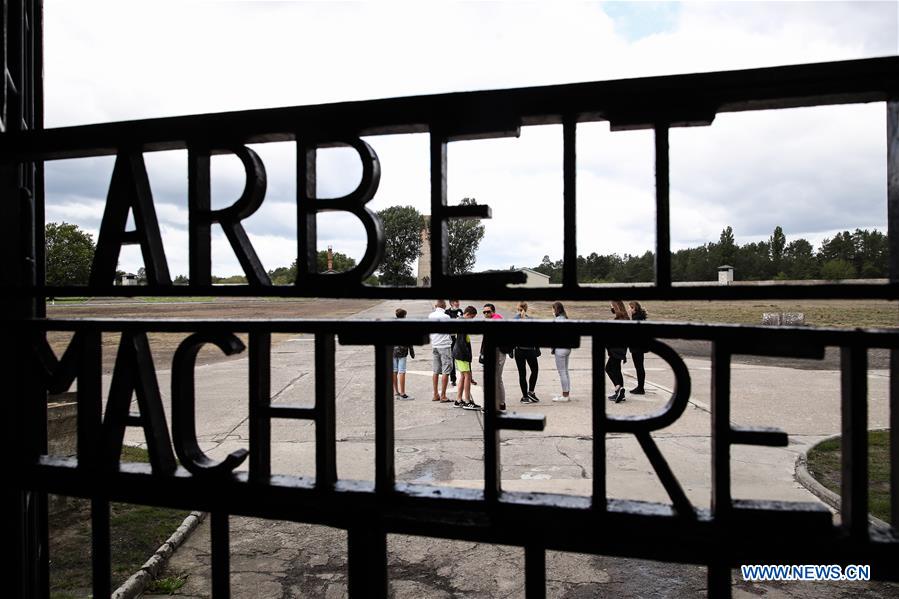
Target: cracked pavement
{"points": [[439, 445]]}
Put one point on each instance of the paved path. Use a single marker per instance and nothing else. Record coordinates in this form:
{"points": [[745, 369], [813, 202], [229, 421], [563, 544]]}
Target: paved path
{"points": [[441, 445]]}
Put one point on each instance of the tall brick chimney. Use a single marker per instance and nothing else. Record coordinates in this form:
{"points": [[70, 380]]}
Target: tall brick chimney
{"points": [[330, 259]]}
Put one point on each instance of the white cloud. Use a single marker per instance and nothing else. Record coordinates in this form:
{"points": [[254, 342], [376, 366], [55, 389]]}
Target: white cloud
{"points": [[811, 171]]}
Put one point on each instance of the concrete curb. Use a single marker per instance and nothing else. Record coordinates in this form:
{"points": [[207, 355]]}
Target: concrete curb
{"points": [[138, 582], [804, 478]]}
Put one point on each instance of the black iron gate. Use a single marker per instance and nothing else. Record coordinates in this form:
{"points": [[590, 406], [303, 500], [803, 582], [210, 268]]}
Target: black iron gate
{"points": [[732, 532]]}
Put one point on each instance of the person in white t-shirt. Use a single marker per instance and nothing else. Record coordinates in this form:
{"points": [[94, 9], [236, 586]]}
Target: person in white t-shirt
{"points": [[441, 344]]}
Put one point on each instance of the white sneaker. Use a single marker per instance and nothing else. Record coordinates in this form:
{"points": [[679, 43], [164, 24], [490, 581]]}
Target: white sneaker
{"points": [[561, 398]]}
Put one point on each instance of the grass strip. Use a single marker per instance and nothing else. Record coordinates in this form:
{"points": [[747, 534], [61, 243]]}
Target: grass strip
{"points": [[824, 465], [136, 532]]}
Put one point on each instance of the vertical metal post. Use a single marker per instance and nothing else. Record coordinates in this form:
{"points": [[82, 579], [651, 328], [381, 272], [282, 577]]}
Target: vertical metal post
{"points": [[307, 223], [718, 573], [534, 572], [492, 473], [854, 402], [438, 228], [718, 577], [366, 562], [893, 240], [569, 175], [100, 550], [384, 444], [90, 399], [24, 520], [260, 399], [599, 426], [663, 221], [221, 554], [326, 418], [720, 404], [894, 438]]}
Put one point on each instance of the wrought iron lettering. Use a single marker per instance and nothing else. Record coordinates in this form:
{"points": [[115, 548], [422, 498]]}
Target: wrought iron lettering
{"points": [[184, 399], [134, 374], [309, 205], [129, 190], [202, 216]]}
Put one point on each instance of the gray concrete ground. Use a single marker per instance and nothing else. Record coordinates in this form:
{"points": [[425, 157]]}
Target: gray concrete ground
{"points": [[440, 445]]}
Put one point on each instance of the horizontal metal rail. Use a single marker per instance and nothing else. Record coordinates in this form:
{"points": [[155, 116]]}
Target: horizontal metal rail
{"points": [[627, 103]]}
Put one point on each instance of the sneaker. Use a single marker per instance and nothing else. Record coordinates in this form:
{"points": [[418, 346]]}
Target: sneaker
{"points": [[396, 396], [458, 404], [405, 397], [638, 391], [474, 382], [526, 399], [620, 395], [533, 396], [561, 398], [502, 407], [613, 396], [470, 405]]}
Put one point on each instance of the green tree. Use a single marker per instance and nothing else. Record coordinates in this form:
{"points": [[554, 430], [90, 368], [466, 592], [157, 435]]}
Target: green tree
{"points": [[799, 260], [284, 275], [287, 275], [871, 253], [465, 235], [777, 243], [841, 247], [70, 252], [838, 269], [402, 230], [727, 248], [181, 280]]}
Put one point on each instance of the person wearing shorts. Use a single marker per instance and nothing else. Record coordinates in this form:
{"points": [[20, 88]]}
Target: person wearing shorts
{"points": [[441, 351], [400, 352], [462, 357]]}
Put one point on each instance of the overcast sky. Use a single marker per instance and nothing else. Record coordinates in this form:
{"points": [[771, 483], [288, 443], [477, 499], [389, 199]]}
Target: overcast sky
{"points": [[812, 171]]}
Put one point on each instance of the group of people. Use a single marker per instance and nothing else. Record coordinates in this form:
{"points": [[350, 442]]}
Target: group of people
{"points": [[452, 358]]}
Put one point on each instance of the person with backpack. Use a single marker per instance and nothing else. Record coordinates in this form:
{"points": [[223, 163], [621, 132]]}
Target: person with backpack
{"points": [[400, 352], [462, 358]]}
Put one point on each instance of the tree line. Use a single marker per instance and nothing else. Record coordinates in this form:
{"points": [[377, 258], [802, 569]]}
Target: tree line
{"points": [[860, 254]]}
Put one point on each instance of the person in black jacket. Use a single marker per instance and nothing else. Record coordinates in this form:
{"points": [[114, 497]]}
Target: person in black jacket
{"points": [[526, 357], [462, 358], [617, 355], [638, 349]]}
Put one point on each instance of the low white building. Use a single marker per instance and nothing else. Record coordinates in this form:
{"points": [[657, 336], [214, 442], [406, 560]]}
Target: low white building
{"points": [[725, 274], [127, 279]]}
